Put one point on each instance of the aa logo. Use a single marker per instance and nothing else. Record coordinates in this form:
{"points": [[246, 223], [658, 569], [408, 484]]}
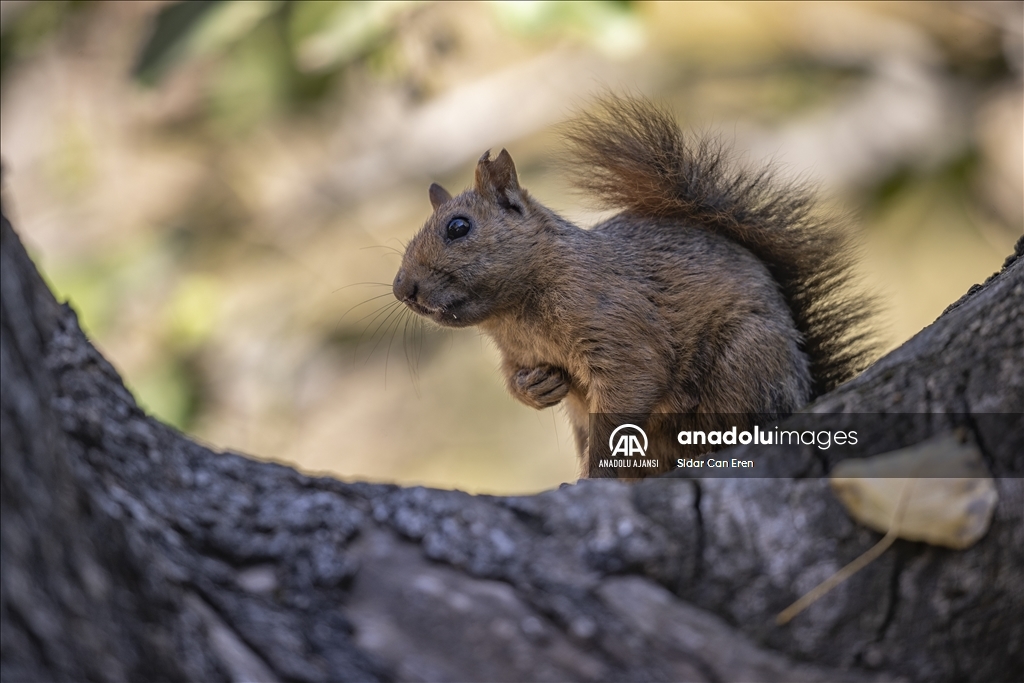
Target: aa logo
{"points": [[628, 445]]}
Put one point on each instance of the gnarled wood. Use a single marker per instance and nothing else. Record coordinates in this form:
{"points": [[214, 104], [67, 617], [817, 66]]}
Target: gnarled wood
{"points": [[131, 552]]}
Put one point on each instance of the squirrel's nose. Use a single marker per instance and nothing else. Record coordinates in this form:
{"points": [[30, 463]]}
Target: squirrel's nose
{"points": [[405, 288]]}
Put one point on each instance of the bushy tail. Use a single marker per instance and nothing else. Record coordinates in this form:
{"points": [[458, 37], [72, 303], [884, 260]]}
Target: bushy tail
{"points": [[633, 156]]}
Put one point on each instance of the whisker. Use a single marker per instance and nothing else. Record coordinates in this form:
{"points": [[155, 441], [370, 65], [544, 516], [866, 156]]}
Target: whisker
{"points": [[412, 350], [372, 298], [394, 332], [388, 317], [405, 343], [403, 245], [385, 309], [413, 364], [391, 250], [356, 284], [378, 246], [377, 310]]}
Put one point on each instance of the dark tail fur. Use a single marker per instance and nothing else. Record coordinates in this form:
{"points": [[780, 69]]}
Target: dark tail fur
{"points": [[634, 157]]}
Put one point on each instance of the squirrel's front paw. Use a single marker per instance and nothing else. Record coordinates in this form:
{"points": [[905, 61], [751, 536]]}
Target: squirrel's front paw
{"points": [[540, 387]]}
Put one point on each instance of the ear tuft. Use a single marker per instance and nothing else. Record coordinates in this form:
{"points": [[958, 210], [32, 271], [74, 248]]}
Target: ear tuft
{"points": [[438, 195], [497, 180]]}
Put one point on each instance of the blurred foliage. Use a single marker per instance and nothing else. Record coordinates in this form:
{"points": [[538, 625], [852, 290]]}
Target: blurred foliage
{"points": [[611, 27], [172, 28], [271, 54], [209, 183], [33, 25]]}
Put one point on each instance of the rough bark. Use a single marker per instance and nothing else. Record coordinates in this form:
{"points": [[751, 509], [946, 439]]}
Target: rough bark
{"points": [[131, 552]]}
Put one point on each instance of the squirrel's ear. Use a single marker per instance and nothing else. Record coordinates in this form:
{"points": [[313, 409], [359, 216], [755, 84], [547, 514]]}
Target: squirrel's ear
{"points": [[497, 180], [438, 195]]}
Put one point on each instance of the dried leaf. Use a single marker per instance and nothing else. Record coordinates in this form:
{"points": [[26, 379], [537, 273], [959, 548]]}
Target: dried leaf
{"points": [[951, 495]]}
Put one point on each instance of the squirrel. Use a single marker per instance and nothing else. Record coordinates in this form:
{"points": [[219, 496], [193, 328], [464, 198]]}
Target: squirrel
{"points": [[716, 293]]}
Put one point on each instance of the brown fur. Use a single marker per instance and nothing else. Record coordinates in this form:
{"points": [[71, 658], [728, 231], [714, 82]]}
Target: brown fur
{"points": [[714, 293]]}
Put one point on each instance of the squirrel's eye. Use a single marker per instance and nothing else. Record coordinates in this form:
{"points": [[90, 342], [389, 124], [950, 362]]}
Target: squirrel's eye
{"points": [[458, 227]]}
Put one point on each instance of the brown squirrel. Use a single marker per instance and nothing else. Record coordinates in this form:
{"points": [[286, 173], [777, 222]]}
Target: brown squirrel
{"points": [[716, 293]]}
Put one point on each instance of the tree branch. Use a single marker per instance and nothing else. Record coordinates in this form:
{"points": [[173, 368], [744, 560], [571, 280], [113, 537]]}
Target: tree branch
{"points": [[131, 552]]}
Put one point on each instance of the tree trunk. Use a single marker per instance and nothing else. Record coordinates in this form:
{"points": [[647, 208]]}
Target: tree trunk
{"points": [[130, 552]]}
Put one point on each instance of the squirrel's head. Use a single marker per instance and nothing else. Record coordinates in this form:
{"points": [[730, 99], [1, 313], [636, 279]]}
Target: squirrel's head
{"points": [[472, 255]]}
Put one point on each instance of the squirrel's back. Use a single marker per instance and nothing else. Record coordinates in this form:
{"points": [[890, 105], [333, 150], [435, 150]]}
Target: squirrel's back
{"points": [[633, 156]]}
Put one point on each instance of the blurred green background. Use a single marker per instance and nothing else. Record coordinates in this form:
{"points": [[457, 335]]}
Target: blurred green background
{"points": [[222, 189]]}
